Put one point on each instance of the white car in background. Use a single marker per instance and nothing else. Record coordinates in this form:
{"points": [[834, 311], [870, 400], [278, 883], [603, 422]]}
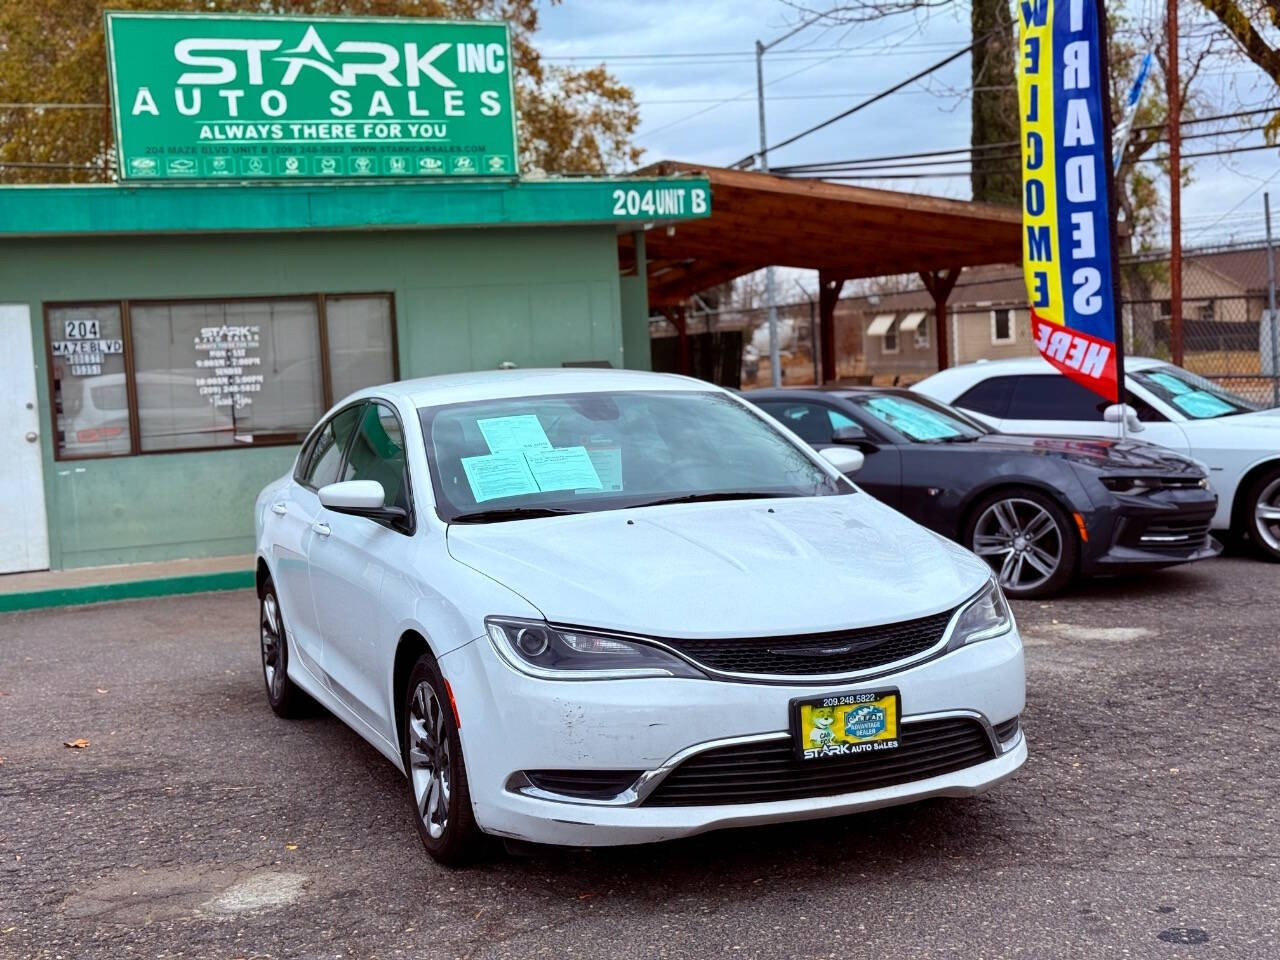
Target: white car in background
{"points": [[1167, 405], [606, 607]]}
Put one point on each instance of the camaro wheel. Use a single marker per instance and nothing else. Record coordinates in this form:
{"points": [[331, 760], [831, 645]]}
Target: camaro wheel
{"points": [[1263, 506], [437, 776], [1027, 540], [283, 696]]}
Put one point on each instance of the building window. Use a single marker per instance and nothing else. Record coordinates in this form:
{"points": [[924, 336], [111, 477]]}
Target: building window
{"points": [[209, 374], [1002, 330], [1166, 309], [921, 338], [1205, 312]]}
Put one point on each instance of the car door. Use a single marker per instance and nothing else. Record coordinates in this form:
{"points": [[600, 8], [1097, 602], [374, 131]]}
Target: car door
{"points": [[292, 529], [1053, 404], [351, 560], [816, 422]]}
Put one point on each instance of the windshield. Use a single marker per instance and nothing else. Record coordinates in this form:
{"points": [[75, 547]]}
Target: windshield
{"points": [[573, 453], [1192, 395], [920, 420]]}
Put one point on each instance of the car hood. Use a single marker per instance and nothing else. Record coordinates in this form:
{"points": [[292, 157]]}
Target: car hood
{"points": [[739, 568], [1097, 452]]}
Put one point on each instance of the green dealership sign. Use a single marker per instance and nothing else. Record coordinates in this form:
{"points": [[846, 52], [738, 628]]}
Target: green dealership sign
{"points": [[227, 97]]}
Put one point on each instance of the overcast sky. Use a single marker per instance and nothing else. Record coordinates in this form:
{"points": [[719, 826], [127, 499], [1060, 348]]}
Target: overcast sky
{"points": [[684, 58]]}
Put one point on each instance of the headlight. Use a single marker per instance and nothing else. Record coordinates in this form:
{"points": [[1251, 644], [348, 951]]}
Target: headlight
{"points": [[1130, 485], [987, 615], [537, 648]]}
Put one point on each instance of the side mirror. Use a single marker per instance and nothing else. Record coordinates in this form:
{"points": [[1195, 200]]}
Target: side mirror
{"points": [[1122, 412], [851, 433], [843, 459], [359, 498]]}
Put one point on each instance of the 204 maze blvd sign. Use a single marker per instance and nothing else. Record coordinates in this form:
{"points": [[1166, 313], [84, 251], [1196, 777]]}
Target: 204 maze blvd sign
{"points": [[261, 97]]}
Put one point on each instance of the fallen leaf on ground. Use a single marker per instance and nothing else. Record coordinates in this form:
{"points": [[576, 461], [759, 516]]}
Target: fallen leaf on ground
{"points": [[291, 846], [77, 744]]}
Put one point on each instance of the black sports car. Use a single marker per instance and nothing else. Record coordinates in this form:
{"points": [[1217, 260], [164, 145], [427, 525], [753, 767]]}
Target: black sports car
{"points": [[1038, 509]]}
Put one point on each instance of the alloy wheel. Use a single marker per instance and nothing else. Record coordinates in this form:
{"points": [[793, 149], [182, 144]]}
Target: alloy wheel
{"points": [[1021, 541], [430, 759], [273, 655], [1266, 513]]}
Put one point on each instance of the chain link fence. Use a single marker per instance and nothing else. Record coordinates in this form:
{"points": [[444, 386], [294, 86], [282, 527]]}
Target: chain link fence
{"points": [[1227, 335]]}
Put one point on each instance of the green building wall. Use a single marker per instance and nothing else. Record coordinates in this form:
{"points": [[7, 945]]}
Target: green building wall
{"points": [[464, 300]]}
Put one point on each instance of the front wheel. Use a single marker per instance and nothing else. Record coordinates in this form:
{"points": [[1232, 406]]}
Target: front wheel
{"points": [[1262, 515], [282, 694], [1026, 539], [432, 753]]}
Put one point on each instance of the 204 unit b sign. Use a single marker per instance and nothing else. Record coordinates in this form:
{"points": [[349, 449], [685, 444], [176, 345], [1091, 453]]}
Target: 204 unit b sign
{"points": [[225, 97]]}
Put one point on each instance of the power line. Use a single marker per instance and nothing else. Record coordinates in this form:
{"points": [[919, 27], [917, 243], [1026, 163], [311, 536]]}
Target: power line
{"points": [[841, 176], [748, 56], [744, 94], [801, 168], [750, 158], [53, 106]]}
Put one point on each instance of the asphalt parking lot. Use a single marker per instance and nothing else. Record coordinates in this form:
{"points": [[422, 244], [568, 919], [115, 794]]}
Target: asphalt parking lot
{"points": [[196, 824]]}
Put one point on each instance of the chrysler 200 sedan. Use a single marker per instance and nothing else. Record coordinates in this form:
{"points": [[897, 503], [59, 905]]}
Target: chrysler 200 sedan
{"points": [[600, 607]]}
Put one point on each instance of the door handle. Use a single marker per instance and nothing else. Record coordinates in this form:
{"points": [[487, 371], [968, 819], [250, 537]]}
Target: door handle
{"points": [[279, 509], [321, 529], [32, 436]]}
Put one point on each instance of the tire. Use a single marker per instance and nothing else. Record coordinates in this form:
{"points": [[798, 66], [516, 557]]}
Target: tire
{"points": [[1260, 518], [283, 695], [432, 752], [1037, 565]]}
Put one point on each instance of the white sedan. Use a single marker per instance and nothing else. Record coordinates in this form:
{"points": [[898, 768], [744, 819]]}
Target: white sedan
{"points": [[1167, 405], [603, 607]]}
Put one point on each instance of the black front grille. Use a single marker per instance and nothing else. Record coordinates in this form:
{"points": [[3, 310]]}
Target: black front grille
{"points": [[761, 772], [845, 651], [592, 784]]}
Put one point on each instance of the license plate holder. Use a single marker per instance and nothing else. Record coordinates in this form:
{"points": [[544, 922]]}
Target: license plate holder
{"points": [[846, 724]]}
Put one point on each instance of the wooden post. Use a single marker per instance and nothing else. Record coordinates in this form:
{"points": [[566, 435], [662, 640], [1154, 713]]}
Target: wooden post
{"points": [[829, 287], [675, 316], [939, 283]]}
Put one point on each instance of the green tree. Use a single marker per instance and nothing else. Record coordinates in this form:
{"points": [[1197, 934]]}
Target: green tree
{"points": [[994, 103], [52, 52]]}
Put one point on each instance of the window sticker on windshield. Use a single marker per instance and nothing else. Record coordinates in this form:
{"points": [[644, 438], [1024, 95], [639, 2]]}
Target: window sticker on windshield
{"points": [[608, 464], [1199, 403], [564, 468], [1171, 383], [498, 475], [914, 421], [508, 434]]}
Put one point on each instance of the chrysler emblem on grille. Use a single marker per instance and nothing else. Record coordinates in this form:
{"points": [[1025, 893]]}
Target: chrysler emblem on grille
{"points": [[826, 651]]}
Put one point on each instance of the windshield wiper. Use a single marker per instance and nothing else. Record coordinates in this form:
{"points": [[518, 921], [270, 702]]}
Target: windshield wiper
{"points": [[511, 513], [959, 438], [708, 497]]}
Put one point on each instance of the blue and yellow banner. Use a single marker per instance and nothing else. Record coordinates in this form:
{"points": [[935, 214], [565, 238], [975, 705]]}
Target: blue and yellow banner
{"points": [[1066, 241]]}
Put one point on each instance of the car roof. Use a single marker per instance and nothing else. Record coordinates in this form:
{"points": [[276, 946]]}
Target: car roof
{"points": [[496, 384], [1013, 365]]}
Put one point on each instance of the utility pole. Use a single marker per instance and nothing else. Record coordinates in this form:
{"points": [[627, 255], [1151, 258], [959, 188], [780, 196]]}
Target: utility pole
{"points": [[1271, 305], [770, 294], [1174, 93], [770, 291]]}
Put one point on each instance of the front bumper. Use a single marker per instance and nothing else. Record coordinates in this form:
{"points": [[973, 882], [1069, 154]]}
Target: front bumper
{"points": [[1164, 528], [512, 723]]}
